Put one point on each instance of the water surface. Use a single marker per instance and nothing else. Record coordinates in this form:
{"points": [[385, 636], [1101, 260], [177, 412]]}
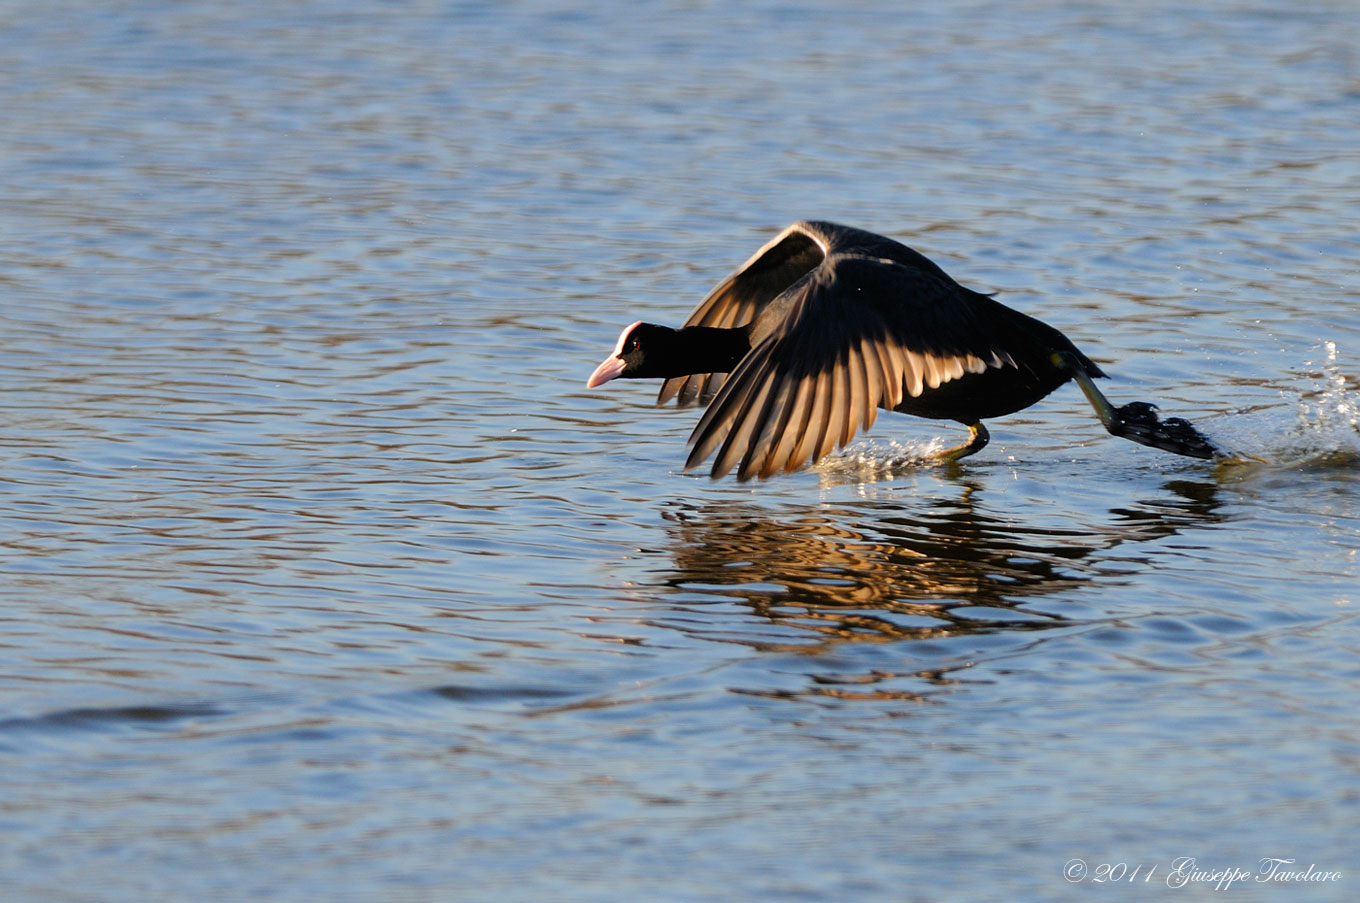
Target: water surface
{"points": [[325, 578]]}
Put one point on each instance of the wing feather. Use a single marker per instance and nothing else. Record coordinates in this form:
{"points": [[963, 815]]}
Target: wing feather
{"points": [[873, 381], [892, 374], [770, 449], [738, 443], [857, 415], [731, 404], [740, 298], [835, 418], [791, 430], [913, 369], [815, 425], [855, 332]]}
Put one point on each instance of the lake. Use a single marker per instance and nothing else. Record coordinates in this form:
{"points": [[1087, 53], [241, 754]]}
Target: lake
{"points": [[323, 575]]}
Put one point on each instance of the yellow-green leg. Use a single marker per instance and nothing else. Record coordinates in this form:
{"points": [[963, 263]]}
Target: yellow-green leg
{"points": [[978, 437], [1104, 410]]}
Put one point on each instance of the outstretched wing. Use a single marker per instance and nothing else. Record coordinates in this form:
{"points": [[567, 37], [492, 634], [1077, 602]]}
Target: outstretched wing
{"points": [[860, 332], [776, 266]]}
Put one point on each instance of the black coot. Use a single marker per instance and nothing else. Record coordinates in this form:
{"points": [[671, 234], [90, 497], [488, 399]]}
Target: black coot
{"points": [[796, 352]]}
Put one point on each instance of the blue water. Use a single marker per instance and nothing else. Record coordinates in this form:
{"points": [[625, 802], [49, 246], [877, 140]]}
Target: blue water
{"points": [[322, 576]]}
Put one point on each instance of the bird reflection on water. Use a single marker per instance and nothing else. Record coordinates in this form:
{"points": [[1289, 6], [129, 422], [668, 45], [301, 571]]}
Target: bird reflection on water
{"points": [[886, 571]]}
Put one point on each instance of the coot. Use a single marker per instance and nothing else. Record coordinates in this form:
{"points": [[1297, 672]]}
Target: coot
{"points": [[798, 349]]}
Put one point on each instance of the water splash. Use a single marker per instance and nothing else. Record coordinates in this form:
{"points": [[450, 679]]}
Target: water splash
{"points": [[1326, 427], [873, 460], [1329, 415]]}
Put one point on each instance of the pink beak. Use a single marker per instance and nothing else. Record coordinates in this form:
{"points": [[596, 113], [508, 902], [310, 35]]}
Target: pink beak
{"points": [[608, 369]]}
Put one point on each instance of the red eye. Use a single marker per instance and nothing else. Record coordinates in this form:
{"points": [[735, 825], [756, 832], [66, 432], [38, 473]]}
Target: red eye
{"points": [[634, 344]]}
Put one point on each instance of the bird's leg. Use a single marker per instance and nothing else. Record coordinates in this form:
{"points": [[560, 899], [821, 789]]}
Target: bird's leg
{"points": [[1104, 410], [1137, 421], [978, 437]]}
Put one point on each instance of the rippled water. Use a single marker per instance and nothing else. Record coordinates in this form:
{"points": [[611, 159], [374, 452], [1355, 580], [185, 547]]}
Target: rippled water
{"points": [[325, 578]]}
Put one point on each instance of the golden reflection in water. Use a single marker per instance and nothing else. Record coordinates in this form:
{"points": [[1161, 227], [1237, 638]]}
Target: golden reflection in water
{"points": [[884, 571]]}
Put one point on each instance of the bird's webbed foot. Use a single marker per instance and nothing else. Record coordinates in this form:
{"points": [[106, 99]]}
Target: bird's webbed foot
{"points": [[1138, 422]]}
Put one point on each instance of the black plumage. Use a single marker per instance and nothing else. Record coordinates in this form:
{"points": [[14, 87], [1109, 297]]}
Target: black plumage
{"points": [[799, 348]]}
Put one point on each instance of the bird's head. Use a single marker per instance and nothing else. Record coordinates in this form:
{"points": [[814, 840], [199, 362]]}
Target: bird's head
{"points": [[644, 351]]}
